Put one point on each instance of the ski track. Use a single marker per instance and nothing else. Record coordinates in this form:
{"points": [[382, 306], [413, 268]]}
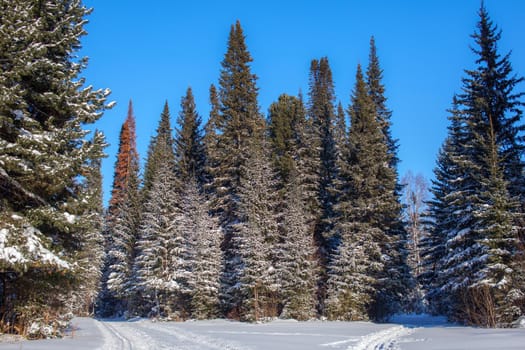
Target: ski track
{"points": [[113, 340], [187, 340], [382, 340]]}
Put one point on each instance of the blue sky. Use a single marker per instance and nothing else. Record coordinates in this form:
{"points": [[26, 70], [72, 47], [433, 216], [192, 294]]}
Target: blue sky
{"points": [[152, 51]]}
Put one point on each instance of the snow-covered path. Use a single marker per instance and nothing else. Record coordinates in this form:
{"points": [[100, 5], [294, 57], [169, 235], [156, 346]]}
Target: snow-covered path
{"points": [[382, 340], [277, 335]]}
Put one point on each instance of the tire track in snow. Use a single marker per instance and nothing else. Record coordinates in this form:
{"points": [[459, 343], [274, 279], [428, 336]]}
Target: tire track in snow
{"points": [[382, 340]]}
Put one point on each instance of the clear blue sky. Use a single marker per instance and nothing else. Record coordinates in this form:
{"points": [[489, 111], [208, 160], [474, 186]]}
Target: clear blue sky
{"points": [[152, 51]]}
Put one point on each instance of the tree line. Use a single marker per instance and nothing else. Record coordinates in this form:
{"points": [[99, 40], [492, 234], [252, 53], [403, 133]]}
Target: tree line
{"points": [[294, 215]]}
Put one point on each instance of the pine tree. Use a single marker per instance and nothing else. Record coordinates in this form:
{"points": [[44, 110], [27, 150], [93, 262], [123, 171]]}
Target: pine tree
{"points": [[44, 107]]}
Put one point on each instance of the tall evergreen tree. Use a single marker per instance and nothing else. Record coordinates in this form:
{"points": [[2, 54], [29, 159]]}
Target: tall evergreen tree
{"points": [[189, 148], [396, 276], [123, 219], [127, 164], [295, 256], [356, 263], [376, 89], [156, 153], [44, 156], [205, 238], [285, 118], [368, 222], [92, 256], [322, 157], [238, 127], [162, 261], [255, 237], [479, 270]]}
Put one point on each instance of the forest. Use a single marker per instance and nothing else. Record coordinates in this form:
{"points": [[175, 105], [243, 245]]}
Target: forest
{"points": [[246, 216]]}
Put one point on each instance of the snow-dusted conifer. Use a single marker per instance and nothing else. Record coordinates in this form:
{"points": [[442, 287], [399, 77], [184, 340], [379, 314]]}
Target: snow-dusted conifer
{"points": [[479, 275], [44, 107], [255, 238], [205, 258], [295, 258], [161, 265], [237, 126], [123, 220]]}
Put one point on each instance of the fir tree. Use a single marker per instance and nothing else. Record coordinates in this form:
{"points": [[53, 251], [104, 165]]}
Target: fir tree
{"points": [[238, 127], [285, 118], [205, 237], [255, 238], [296, 263], [356, 263], [368, 222], [157, 154], [189, 148], [92, 256], [127, 164], [479, 270], [44, 155], [162, 262], [123, 218], [322, 158], [376, 89]]}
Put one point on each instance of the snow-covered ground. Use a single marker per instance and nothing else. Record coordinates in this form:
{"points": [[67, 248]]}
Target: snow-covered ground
{"points": [[404, 333]]}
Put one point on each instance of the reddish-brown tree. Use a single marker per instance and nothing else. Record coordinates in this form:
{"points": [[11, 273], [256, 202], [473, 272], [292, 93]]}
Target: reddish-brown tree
{"points": [[127, 161]]}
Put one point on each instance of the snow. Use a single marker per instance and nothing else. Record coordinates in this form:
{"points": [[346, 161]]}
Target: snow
{"points": [[70, 218], [31, 249], [408, 332]]}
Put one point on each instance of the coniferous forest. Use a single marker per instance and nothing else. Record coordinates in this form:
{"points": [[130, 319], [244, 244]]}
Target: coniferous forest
{"points": [[241, 215]]}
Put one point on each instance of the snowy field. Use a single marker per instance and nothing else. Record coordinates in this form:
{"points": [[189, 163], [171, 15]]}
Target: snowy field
{"points": [[405, 334]]}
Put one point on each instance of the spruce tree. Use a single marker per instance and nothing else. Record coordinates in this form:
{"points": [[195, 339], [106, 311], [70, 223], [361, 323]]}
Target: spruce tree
{"points": [[396, 276], [367, 273], [157, 154], [92, 256], [189, 149], [480, 269], [376, 89], [123, 219], [295, 255], [162, 261], [321, 157], [238, 127], [256, 237], [356, 263], [285, 118], [205, 258], [45, 107]]}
